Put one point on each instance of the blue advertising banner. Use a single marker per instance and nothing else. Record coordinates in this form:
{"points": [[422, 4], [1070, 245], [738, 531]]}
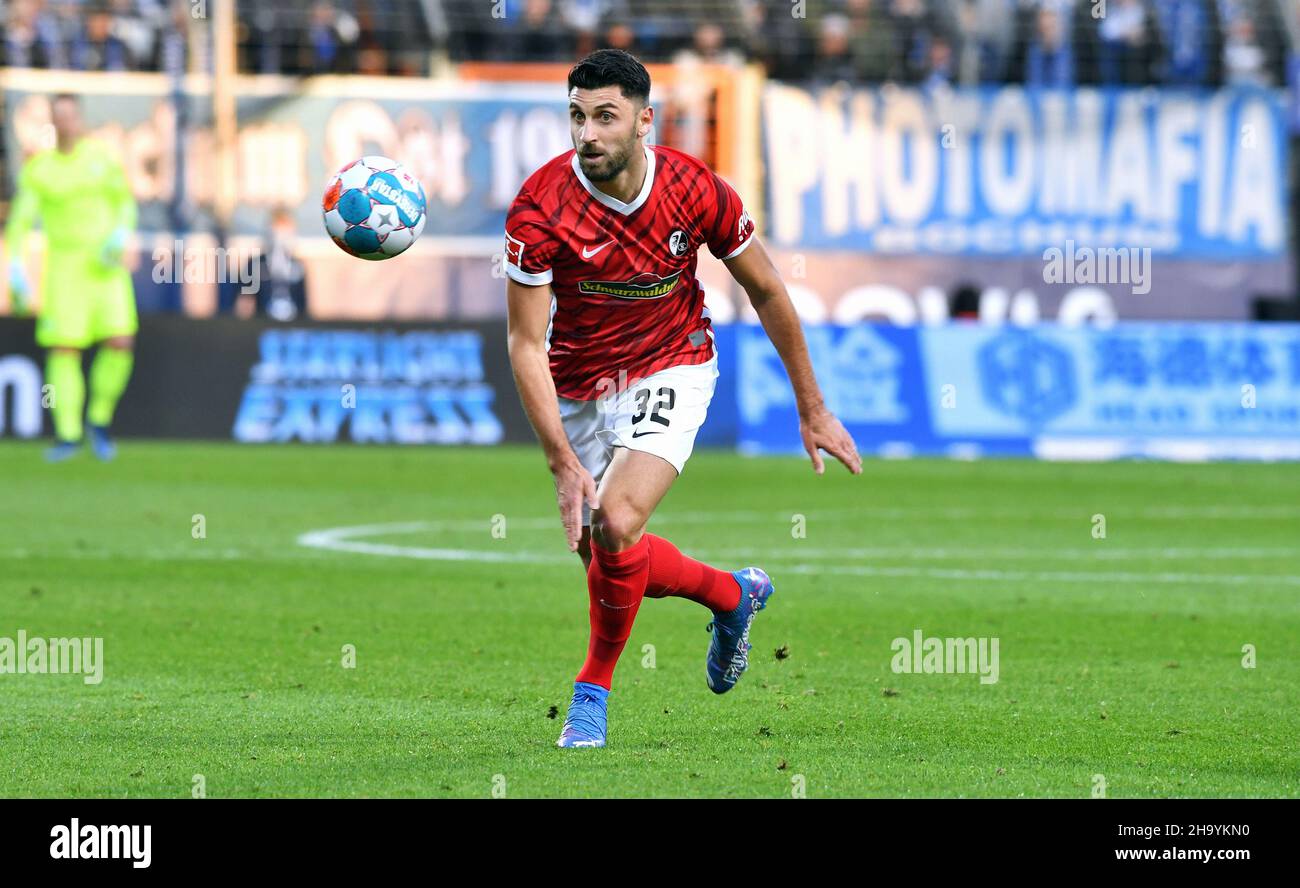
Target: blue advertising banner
{"points": [[870, 376], [1188, 391], [411, 386], [261, 382], [470, 145], [1012, 172]]}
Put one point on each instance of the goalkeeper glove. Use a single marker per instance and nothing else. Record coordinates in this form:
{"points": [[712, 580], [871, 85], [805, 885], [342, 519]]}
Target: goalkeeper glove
{"points": [[17, 288], [114, 247]]}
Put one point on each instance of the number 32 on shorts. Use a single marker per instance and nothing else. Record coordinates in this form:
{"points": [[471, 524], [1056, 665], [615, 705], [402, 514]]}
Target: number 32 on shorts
{"points": [[665, 397]]}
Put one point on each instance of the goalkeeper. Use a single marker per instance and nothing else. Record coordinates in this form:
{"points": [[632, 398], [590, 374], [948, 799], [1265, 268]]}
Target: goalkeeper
{"points": [[80, 193]]}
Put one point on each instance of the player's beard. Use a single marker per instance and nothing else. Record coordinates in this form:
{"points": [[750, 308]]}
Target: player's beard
{"points": [[610, 165]]}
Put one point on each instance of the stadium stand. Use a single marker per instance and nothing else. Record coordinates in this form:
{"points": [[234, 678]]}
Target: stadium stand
{"points": [[1044, 43]]}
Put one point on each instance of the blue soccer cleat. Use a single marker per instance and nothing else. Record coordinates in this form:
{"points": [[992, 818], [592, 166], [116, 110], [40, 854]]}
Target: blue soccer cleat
{"points": [[729, 650], [585, 723], [101, 443], [62, 450]]}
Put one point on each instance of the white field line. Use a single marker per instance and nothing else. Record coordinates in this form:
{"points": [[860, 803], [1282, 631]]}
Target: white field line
{"points": [[196, 552], [962, 513], [346, 539], [1100, 552], [1051, 576], [342, 539]]}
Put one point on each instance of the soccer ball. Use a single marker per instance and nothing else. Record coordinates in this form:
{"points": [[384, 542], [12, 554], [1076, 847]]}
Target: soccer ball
{"points": [[374, 208]]}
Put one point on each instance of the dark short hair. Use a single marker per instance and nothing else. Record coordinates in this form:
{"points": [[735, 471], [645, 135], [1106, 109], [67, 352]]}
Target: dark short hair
{"points": [[65, 97], [612, 67]]}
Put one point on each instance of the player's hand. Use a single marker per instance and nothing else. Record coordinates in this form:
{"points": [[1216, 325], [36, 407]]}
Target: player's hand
{"points": [[114, 249], [821, 430], [573, 485], [17, 288]]}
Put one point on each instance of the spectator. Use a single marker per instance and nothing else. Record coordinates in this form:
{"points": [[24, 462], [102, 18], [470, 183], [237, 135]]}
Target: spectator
{"points": [[391, 33], [619, 35], [1081, 34], [777, 39], [986, 43], [68, 30], [31, 38], [874, 42], [265, 34], [134, 31], [914, 29], [104, 49], [584, 18], [834, 60], [939, 72], [332, 35], [708, 47], [173, 40], [372, 61], [1187, 33], [1271, 36], [282, 294], [538, 35], [1130, 45], [1041, 42], [1244, 61], [1048, 59]]}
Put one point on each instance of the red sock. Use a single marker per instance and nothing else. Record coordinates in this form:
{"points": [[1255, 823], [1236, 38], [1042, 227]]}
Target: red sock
{"points": [[672, 573], [615, 585]]}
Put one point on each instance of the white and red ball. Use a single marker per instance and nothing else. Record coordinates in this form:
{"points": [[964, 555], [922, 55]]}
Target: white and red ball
{"points": [[374, 208]]}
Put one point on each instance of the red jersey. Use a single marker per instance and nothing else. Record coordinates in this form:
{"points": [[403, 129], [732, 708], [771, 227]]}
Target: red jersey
{"points": [[627, 303]]}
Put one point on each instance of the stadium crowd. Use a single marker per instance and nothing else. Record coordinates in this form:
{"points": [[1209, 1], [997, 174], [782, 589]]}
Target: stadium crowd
{"points": [[113, 35], [1048, 43]]}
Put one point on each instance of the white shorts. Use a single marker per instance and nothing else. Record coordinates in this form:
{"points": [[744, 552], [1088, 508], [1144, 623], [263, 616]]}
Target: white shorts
{"points": [[660, 414]]}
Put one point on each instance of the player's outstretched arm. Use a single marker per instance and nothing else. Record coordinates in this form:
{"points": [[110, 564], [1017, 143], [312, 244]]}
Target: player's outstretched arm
{"points": [[23, 213], [754, 271], [118, 192], [528, 315]]}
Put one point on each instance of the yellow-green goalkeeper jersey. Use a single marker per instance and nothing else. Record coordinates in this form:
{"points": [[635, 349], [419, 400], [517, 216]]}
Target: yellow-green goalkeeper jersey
{"points": [[81, 198]]}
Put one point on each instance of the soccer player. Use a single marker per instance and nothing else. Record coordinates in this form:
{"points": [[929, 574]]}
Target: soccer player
{"points": [[80, 193], [616, 369]]}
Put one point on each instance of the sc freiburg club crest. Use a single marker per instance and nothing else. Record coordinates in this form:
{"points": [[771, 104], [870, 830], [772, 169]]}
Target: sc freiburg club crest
{"points": [[643, 286]]}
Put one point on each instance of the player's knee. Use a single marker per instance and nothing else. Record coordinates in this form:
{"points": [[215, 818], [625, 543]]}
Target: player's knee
{"points": [[125, 343], [616, 527]]}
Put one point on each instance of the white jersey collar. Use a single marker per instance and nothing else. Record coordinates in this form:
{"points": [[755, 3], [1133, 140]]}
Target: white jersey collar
{"points": [[614, 203]]}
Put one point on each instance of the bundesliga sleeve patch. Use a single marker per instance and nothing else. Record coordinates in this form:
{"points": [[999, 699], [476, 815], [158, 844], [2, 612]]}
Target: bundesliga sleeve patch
{"points": [[514, 251]]}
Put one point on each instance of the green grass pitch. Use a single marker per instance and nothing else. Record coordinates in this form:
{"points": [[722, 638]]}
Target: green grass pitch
{"points": [[1120, 657]]}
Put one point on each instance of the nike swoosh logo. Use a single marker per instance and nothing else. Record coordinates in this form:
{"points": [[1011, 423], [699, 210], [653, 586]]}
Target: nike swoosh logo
{"points": [[619, 607], [651, 432], [588, 253]]}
